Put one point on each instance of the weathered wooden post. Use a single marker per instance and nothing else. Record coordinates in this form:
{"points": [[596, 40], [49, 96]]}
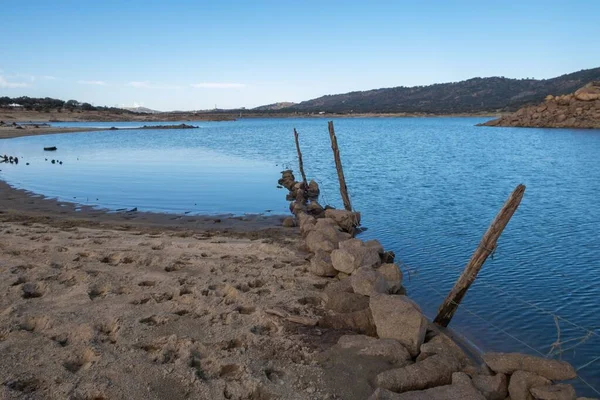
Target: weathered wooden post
{"points": [[338, 166], [300, 160], [485, 248]]}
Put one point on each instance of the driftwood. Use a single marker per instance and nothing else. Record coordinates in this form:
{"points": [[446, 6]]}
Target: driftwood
{"points": [[300, 160], [485, 248], [338, 166]]}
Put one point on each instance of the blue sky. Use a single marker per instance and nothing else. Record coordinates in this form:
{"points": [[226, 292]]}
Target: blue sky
{"points": [[195, 54]]}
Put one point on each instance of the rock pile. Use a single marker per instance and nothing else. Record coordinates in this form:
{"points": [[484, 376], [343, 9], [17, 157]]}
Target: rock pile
{"points": [[393, 345], [577, 110]]}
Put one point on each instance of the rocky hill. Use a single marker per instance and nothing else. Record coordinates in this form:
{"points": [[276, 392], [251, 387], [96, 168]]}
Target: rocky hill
{"points": [[577, 110], [495, 94], [274, 106]]}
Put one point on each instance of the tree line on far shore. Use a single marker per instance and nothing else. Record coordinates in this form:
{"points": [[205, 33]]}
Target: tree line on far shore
{"points": [[47, 104]]}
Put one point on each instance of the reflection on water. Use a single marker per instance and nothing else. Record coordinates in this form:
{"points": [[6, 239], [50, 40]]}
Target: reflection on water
{"points": [[427, 188]]}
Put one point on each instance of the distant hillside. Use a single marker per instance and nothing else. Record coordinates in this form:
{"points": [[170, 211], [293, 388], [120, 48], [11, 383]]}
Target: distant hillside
{"points": [[470, 96], [141, 110], [274, 106]]}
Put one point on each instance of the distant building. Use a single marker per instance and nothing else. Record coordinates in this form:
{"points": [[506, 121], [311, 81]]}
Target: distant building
{"points": [[321, 112], [15, 105]]}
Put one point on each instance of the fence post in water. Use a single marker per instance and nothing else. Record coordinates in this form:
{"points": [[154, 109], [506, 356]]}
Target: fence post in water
{"points": [[338, 166], [300, 160], [485, 248]]}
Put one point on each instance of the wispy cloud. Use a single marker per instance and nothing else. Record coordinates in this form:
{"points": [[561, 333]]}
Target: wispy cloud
{"points": [[148, 85], [4, 83], [217, 85], [99, 83]]}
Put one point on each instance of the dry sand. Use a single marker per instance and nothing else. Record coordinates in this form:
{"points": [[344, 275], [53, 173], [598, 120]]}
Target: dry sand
{"points": [[143, 306]]}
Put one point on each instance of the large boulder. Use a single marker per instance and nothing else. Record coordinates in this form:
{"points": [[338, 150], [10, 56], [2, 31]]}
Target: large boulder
{"points": [[492, 387], [448, 392], [434, 371], [315, 209], [347, 220], [507, 363], [560, 391], [320, 264], [520, 383], [375, 245], [368, 281], [393, 277], [353, 254], [317, 240], [346, 302], [397, 317], [357, 321], [443, 345], [388, 349], [589, 92]]}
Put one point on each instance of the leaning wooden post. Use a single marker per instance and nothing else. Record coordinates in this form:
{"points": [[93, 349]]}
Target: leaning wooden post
{"points": [[485, 248], [300, 160], [338, 166]]}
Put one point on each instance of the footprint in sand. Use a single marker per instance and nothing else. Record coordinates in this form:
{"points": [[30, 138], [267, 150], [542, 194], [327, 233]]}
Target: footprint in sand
{"points": [[32, 290], [83, 360]]}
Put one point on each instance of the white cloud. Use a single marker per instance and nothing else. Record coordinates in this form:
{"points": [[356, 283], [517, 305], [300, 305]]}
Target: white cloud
{"points": [[148, 85], [217, 85], [6, 84], [99, 83]]}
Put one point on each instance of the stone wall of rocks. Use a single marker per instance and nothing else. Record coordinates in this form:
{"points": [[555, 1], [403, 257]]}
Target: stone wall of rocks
{"points": [[577, 110], [366, 299]]}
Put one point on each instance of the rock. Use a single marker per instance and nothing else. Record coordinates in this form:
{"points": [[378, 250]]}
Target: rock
{"points": [[443, 345], [375, 245], [313, 189], [32, 290], [520, 383], [340, 285], [345, 302], [353, 254], [297, 207], [549, 98], [460, 378], [287, 179], [434, 371], [507, 363], [357, 321], [368, 281], [448, 392], [347, 220], [388, 349], [589, 92], [397, 317], [320, 264], [306, 223], [289, 222], [560, 391], [317, 240], [315, 209], [393, 277], [328, 228], [388, 257], [492, 387]]}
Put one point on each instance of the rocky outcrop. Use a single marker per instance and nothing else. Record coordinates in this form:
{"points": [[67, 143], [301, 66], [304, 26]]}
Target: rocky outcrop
{"points": [[577, 110]]}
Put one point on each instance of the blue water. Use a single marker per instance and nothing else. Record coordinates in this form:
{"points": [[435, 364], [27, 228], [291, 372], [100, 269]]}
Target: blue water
{"points": [[427, 189]]}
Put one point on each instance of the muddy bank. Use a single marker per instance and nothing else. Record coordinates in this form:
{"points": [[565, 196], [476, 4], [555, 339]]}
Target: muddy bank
{"points": [[18, 130]]}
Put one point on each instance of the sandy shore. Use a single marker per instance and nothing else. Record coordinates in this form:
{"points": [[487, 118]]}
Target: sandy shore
{"points": [[97, 305]]}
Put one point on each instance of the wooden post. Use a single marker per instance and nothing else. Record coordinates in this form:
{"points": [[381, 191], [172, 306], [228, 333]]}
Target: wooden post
{"points": [[485, 248], [300, 160], [338, 166]]}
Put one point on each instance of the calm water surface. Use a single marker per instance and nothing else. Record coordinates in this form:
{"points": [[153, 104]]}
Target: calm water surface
{"points": [[427, 188]]}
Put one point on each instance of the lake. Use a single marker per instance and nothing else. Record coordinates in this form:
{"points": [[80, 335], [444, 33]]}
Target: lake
{"points": [[427, 188]]}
